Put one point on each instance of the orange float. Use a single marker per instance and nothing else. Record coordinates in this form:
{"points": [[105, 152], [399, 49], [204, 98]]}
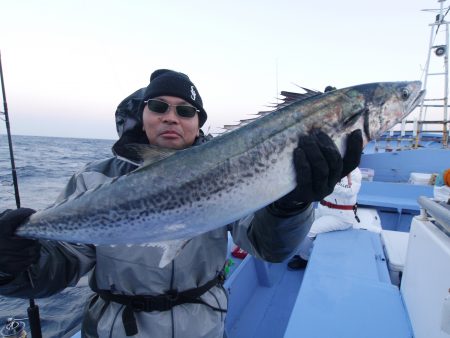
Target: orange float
{"points": [[446, 177]]}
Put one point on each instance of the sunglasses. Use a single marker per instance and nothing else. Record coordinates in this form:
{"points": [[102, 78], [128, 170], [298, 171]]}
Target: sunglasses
{"points": [[161, 107]]}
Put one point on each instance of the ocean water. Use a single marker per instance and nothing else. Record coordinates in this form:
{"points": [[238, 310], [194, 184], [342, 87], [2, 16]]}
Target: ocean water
{"points": [[44, 165]]}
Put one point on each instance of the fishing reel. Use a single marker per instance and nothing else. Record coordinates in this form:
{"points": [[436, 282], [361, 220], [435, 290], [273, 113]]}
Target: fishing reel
{"points": [[14, 328]]}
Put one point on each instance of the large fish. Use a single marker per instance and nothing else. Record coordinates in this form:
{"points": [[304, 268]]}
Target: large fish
{"points": [[186, 193]]}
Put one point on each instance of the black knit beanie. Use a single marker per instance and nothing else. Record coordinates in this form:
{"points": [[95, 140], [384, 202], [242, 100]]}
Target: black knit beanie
{"points": [[171, 83]]}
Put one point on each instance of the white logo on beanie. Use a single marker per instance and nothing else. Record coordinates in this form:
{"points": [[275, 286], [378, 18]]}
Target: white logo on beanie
{"points": [[193, 93]]}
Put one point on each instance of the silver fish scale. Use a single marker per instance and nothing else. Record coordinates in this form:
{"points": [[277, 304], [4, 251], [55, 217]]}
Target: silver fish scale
{"points": [[226, 187], [211, 185]]}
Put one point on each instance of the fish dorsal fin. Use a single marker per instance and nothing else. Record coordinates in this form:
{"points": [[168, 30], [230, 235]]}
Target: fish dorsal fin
{"points": [[145, 153], [287, 99]]}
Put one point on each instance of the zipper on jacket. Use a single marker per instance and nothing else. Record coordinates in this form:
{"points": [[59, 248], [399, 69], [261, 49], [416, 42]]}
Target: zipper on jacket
{"points": [[172, 278], [114, 321]]}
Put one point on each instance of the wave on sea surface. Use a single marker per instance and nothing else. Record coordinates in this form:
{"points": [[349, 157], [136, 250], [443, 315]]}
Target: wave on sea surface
{"points": [[44, 165]]}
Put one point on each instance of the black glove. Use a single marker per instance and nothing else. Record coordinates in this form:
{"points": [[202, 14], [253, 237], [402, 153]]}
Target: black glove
{"points": [[16, 253], [319, 167], [353, 152]]}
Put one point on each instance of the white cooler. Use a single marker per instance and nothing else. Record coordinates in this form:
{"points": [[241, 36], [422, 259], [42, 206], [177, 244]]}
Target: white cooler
{"points": [[420, 178], [367, 174], [369, 220], [395, 245]]}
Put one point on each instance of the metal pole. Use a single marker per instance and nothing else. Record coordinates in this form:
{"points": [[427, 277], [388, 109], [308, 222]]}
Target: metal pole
{"points": [[424, 86], [445, 135]]}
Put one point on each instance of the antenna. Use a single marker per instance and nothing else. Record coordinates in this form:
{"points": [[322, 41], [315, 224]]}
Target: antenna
{"points": [[276, 79]]}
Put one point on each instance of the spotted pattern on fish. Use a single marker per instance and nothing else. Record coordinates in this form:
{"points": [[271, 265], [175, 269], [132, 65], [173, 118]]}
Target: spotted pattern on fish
{"points": [[208, 186]]}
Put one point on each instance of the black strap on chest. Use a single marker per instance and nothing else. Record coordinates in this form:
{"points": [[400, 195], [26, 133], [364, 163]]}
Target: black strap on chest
{"points": [[163, 302]]}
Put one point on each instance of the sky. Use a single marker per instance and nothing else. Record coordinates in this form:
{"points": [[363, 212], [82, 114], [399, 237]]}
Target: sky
{"points": [[67, 64]]}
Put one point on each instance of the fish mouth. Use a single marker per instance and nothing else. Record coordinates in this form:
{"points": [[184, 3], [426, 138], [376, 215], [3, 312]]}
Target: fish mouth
{"points": [[406, 107]]}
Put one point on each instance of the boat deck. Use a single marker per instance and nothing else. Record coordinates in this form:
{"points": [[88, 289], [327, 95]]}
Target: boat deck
{"points": [[347, 292], [261, 285], [344, 292], [397, 208]]}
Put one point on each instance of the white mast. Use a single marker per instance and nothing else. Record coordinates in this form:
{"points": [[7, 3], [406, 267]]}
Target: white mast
{"points": [[438, 50]]}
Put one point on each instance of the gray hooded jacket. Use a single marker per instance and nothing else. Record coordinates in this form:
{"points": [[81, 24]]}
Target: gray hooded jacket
{"points": [[133, 270]]}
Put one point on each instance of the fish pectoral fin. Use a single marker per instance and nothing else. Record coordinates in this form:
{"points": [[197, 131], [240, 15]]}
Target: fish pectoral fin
{"points": [[170, 250]]}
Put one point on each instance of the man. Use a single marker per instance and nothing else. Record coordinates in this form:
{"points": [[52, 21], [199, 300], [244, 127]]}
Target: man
{"points": [[134, 297], [336, 211]]}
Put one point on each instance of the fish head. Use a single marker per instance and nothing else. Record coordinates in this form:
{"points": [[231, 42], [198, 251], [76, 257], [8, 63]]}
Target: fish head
{"points": [[383, 105]]}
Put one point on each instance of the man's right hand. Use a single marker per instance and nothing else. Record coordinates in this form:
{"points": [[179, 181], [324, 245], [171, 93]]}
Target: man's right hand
{"points": [[16, 253]]}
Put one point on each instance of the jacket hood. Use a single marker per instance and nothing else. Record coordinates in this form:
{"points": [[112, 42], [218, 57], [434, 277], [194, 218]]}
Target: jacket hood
{"points": [[129, 125], [127, 114]]}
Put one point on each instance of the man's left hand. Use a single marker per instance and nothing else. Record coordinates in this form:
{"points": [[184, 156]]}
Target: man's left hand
{"points": [[319, 167]]}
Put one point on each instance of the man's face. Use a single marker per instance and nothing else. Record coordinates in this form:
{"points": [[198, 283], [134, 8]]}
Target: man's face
{"points": [[168, 129]]}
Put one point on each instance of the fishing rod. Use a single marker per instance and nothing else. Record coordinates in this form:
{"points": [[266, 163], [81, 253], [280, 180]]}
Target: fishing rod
{"points": [[8, 132], [33, 309]]}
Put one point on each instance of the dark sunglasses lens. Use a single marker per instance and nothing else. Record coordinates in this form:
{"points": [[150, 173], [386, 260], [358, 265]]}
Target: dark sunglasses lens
{"points": [[186, 111], [157, 106]]}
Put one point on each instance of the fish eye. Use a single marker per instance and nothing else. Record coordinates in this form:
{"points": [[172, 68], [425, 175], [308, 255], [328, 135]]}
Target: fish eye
{"points": [[405, 93]]}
